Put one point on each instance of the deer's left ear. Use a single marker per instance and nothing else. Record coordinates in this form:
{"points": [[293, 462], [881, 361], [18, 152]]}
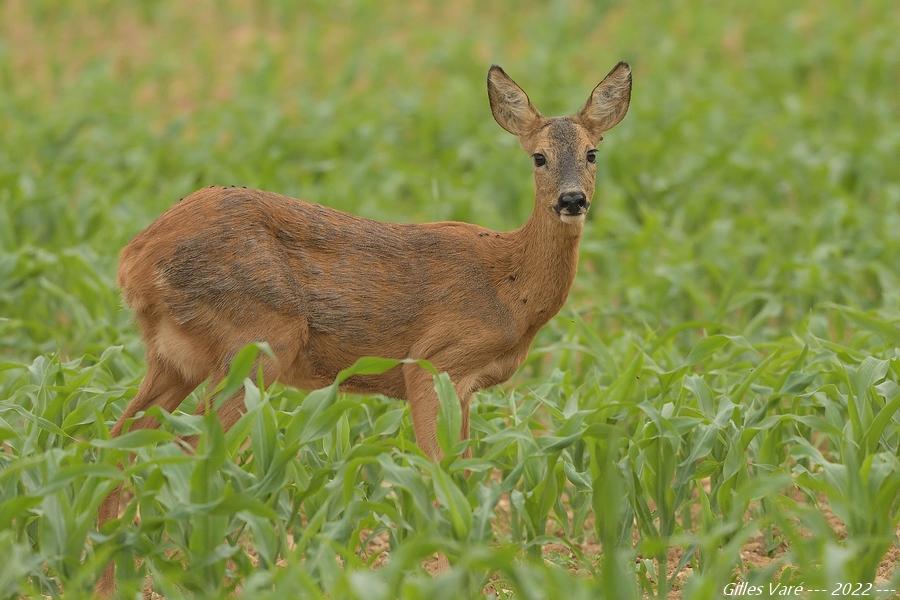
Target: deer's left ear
{"points": [[608, 102]]}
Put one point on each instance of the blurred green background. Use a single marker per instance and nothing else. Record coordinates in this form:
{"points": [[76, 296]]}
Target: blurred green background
{"points": [[741, 259]]}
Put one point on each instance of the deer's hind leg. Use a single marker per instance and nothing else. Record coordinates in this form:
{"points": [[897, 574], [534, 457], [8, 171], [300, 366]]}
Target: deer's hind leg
{"points": [[162, 386], [165, 387], [166, 384]]}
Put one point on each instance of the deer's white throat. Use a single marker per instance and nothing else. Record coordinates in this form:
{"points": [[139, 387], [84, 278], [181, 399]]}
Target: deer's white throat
{"points": [[573, 219]]}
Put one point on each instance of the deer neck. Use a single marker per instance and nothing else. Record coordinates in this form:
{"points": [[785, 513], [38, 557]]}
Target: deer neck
{"points": [[545, 258]]}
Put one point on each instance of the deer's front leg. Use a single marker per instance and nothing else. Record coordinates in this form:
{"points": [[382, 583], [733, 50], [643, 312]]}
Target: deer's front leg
{"points": [[425, 406], [465, 394]]}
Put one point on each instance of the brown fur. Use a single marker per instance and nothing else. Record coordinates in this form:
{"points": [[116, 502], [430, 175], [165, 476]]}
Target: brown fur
{"points": [[228, 266]]}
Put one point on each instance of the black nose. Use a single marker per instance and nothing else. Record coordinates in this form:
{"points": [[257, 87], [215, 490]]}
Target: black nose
{"points": [[572, 202]]}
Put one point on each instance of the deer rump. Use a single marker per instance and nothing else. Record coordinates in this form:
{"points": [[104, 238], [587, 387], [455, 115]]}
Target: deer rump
{"points": [[229, 266]]}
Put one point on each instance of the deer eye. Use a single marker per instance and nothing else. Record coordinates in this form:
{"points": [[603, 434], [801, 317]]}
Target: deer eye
{"points": [[539, 159], [592, 156]]}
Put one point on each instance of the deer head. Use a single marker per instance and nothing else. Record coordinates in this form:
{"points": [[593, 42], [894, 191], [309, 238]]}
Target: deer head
{"points": [[564, 149]]}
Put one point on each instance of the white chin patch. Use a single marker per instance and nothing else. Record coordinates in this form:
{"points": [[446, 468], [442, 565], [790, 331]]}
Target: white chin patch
{"points": [[572, 219]]}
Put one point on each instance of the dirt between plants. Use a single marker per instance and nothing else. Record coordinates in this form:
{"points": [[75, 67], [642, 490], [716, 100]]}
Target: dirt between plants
{"points": [[374, 548], [754, 553]]}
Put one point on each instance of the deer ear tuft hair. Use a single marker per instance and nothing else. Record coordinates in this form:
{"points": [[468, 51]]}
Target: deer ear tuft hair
{"points": [[608, 102], [510, 105]]}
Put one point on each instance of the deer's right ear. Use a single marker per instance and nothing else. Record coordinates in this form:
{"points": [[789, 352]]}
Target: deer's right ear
{"points": [[511, 107]]}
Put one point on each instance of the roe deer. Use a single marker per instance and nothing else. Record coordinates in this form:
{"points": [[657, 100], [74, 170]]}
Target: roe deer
{"points": [[230, 266]]}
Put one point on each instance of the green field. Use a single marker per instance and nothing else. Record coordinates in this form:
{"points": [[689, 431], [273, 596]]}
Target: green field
{"points": [[718, 401]]}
